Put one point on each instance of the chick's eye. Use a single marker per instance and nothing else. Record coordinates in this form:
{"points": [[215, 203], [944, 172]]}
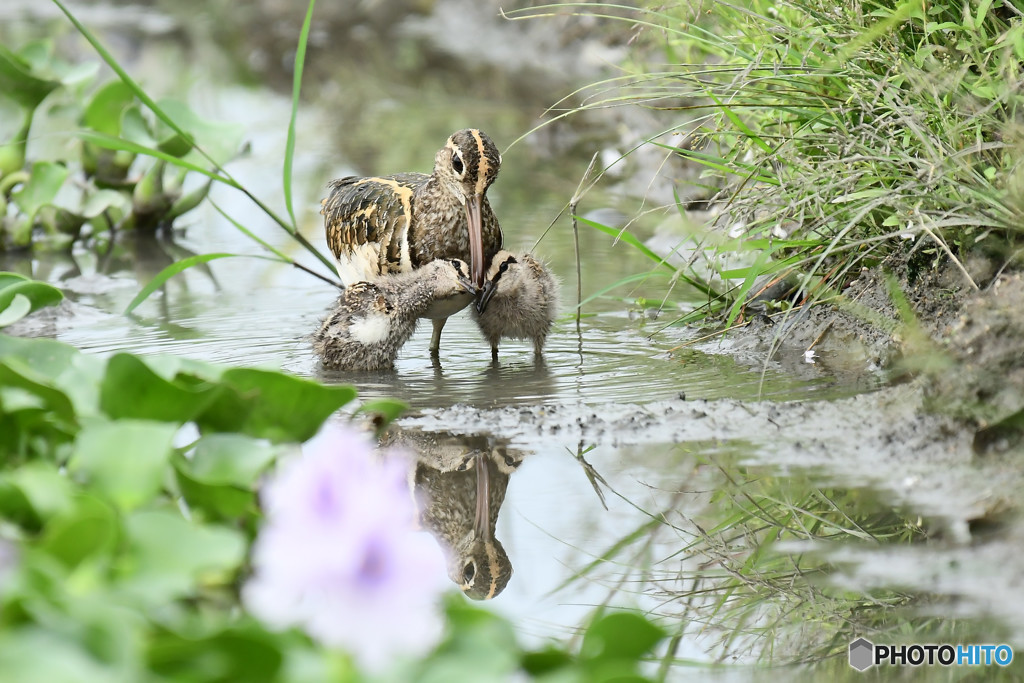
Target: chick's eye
{"points": [[457, 165], [468, 573], [504, 267]]}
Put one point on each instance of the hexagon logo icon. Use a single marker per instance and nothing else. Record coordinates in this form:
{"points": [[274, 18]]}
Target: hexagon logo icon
{"points": [[862, 654]]}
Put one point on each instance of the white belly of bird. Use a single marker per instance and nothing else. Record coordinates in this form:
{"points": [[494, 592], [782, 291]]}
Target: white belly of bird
{"points": [[373, 329], [442, 308]]}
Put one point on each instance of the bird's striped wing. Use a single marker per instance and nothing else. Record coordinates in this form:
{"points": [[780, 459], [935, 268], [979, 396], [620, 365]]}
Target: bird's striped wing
{"points": [[366, 220]]}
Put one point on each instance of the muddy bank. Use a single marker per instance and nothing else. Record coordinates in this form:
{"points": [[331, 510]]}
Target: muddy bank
{"points": [[959, 329]]}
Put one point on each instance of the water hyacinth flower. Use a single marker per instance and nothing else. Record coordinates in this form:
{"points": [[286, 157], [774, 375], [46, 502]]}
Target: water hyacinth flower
{"points": [[338, 555]]}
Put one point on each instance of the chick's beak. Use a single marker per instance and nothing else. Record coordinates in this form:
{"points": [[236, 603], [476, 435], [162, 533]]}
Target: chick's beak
{"points": [[486, 292], [476, 239], [467, 285]]}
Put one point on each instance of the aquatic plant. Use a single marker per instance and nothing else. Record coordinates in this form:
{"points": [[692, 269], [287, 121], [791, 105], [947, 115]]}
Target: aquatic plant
{"points": [[20, 296], [132, 165], [88, 192]]}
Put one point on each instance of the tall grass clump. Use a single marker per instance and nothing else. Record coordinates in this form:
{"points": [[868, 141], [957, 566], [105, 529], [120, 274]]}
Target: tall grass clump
{"points": [[832, 135]]}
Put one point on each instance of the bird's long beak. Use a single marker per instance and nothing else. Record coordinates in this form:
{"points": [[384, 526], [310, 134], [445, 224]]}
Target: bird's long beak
{"points": [[476, 239], [482, 523], [486, 292], [467, 285]]}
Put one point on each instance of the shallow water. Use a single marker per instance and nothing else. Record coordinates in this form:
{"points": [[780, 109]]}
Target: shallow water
{"points": [[663, 455]]}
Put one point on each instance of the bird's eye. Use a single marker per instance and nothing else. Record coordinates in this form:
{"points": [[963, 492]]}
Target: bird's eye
{"points": [[504, 266], [469, 573], [457, 165]]}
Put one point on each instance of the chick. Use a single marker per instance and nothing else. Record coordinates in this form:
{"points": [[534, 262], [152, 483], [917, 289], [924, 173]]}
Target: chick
{"points": [[371, 321], [519, 300]]}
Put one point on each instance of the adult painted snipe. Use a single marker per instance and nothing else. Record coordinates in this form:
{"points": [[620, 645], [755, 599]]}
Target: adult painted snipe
{"points": [[397, 223]]}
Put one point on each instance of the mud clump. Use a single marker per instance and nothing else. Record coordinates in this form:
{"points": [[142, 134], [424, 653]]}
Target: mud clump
{"points": [[986, 343]]}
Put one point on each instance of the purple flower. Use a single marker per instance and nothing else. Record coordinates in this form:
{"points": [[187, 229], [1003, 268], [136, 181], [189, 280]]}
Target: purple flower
{"points": [[338, 554]]}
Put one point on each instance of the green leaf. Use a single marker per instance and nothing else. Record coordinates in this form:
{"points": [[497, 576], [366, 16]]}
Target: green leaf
{"points": [[384, 410], [39, 294], [135, 128], [169, 557], [979, 17], [18, 308], [121, 73], [169, 272], [219, 140], [47, 491], [738, 122], [545, 661], [103, 113], [480, 646], [45, 356], [102, 200], [243, 653], [65, 658], [89, 529], [14, 372], [221, 473], [18, 83], [620, 636], [124, 460], [214, 501], [273, 405], [60, 366], [8, 278], [42, 187], [230, 460], [132, 389]]}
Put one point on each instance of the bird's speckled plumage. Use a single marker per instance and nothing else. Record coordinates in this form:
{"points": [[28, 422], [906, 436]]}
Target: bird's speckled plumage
{"points": [[371, 321], [397, 223], [520, 301]]}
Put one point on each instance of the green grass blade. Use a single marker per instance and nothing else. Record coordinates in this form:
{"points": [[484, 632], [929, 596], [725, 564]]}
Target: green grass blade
{"points": [[636, 277], [251, 235], [289, 147], [738, 122], [629, 239], [172, 270], [120, 144]]}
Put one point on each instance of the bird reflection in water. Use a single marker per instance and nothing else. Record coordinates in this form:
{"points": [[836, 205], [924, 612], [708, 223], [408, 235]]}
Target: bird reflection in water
{"points": [[459, 482]]}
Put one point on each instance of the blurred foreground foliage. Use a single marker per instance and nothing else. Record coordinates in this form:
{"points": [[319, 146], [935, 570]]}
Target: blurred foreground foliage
{"points": [[128, 504]]}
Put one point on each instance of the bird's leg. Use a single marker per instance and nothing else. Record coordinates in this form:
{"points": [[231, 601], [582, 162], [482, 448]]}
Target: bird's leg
{"points": [[435, 338], [494, 352]]}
